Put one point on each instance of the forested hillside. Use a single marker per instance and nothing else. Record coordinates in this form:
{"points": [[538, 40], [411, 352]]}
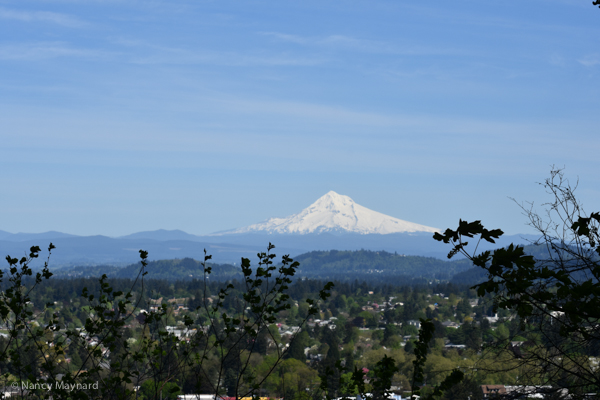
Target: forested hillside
{"points": [[364, 265], [177, 269]]}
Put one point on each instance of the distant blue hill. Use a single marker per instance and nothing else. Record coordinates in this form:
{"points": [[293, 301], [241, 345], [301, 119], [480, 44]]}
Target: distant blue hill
{"points": [[164, 235], [416, 244], [102, 250], [363, 265], [22, 237], [172, 244]]}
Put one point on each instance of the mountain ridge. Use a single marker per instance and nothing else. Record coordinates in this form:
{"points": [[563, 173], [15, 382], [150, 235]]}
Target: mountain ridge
{"points": [[333, 213], [334, 221]]}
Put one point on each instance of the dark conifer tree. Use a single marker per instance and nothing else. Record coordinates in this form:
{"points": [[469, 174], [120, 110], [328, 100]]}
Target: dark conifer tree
{"points": [[297, 346]]}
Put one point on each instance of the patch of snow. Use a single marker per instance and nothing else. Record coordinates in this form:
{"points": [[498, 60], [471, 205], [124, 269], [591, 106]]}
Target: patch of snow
{"points": [[334, 213]]}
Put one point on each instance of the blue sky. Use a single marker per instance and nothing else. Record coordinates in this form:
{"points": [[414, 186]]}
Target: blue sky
{"points": [[123, 116]]}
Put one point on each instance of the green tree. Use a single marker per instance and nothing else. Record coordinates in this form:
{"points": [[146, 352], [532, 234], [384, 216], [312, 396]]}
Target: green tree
{"points": [[330, 366], [554, 290], [351, 332], [390, 336], [217, 357], [468, 389], [165, 390], [296, 349], [463, 309], [421, 349]]}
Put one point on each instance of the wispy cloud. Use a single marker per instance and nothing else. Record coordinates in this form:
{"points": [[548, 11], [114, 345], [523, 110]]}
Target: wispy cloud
{"points": [[590, 60], [42, 16], [231, 59], [286, 37], [357, 44], [45, 50], [344, 42], [151, 53]]}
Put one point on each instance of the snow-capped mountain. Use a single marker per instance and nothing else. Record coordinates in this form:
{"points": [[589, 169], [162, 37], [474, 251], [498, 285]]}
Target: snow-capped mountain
{"points": [[334, 213]]}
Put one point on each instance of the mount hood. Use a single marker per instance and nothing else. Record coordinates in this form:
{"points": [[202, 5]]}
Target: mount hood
{"points": [[334, 213]]}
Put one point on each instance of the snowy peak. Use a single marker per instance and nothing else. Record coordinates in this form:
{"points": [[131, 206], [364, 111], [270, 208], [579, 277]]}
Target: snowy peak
{"points": [[332, 200], [334, 212]]}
